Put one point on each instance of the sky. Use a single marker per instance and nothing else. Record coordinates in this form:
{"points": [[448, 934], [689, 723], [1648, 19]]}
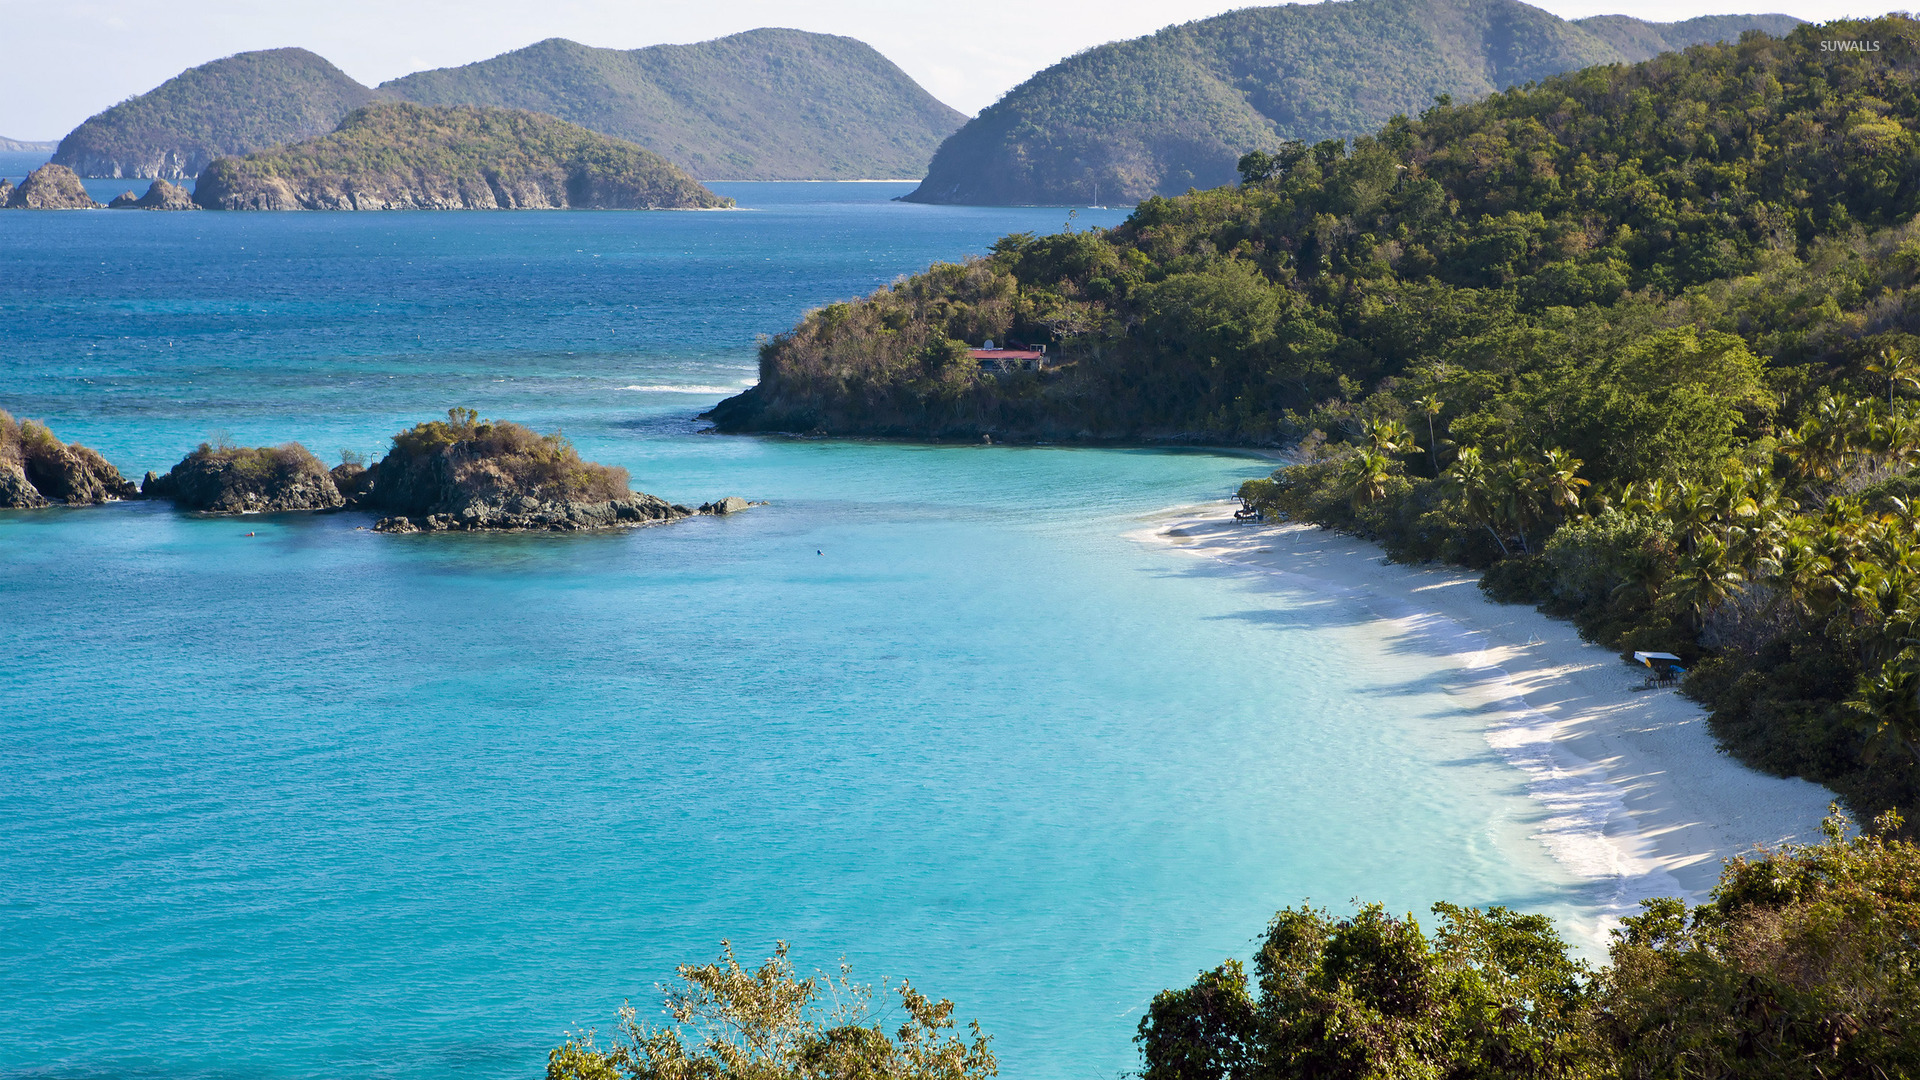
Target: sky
{"points": [[63, 61]]}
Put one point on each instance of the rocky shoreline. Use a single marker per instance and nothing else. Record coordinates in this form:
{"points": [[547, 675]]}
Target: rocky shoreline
{"points": [[463, 474]]}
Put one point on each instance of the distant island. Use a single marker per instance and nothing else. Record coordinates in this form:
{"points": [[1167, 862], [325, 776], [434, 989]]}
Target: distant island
{"points": [[1175, 110], [24, 146], [394, 155], [762, 105]]}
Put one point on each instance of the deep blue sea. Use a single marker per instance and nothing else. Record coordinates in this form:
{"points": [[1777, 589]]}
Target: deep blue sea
{"points": [[317, 802]]}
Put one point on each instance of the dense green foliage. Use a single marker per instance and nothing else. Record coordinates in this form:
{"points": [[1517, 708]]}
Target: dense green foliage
{"points": [[1636, 338], [1177, 109], [1805, 963], [238, 105], [393, 154], [763, 105], [768, 1024]]}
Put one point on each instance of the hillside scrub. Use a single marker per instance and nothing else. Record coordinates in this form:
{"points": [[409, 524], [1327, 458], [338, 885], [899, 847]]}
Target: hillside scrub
{"points": [[1805, 962], [36, 467]]}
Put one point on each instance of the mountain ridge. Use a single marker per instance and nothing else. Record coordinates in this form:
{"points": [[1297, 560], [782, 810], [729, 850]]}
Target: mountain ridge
{"points": [[767, 104], [1176, 109]]}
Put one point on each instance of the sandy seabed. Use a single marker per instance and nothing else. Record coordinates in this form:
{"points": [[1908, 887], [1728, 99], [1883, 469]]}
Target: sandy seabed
{"points": [[1639, 797]]}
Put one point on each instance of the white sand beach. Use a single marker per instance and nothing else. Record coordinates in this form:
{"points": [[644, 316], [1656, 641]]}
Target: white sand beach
{"points": [[1638, 795]]}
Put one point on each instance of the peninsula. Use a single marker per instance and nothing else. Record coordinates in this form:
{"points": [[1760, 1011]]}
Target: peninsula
{"points": [[395, 156], [1634, 340]]}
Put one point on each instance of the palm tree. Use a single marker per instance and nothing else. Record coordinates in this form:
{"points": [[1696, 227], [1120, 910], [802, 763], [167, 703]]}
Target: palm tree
{"points": [[1899, 369], [1431, 406], [1371, 472], [1388, 437], [1469, 476], [1888, 705], [1559, 483], [1514, 485], [1705, 580]]}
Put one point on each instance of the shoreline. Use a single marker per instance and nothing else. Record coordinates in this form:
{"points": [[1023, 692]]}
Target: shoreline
{"points": [[1640, 800]]}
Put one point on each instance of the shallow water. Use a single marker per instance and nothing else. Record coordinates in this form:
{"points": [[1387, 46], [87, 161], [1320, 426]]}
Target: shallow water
{"points": [[320, 801]]}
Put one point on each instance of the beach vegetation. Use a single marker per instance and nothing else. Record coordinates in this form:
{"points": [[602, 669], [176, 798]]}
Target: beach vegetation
{"points": [[770, 1023], [1804, 962]]}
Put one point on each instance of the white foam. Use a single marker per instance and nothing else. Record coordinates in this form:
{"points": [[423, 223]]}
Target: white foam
{"points": [[683, 388]]}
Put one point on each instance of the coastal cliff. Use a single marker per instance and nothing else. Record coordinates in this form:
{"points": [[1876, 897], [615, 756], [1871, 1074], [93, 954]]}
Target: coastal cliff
{"points": [[397, 156], [37, 469]]}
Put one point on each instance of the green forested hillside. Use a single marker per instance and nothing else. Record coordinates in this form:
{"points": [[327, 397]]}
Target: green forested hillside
{"points": [[1640, 338], [1161, 114], [243, 103], [396, 155], [764, 105]]}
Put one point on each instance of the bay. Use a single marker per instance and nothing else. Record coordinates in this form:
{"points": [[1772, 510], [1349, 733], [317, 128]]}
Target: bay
{"points": [[317, 801]]}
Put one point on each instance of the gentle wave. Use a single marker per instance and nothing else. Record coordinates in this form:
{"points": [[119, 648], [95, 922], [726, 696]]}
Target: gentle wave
{"points": [[682, 388]]}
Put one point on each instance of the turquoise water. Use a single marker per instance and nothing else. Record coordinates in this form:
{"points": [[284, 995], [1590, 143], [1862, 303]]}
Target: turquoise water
{"points": [[321, 802]]}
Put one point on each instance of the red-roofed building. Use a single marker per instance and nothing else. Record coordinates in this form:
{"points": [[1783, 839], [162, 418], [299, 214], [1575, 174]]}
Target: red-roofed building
{"points": [[997, 360]]}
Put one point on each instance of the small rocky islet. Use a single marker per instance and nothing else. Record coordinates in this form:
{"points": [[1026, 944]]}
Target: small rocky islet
{"points": [[461, 474]]}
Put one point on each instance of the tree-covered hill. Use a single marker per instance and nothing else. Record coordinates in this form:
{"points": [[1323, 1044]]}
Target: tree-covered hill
{"points": [[767, 104], [1176, 109], [1640, 338], [397, 155], [247, 102]]}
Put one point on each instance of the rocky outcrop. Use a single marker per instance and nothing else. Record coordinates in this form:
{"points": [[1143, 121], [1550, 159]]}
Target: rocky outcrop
{"points": [[247, 480], [732, 504], [51, 187], [36, 468], [160, 196], [6, 192], [464, 473], [16, 491], [526, 513]]}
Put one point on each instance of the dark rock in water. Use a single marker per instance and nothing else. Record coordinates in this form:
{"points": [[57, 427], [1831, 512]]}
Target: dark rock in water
{"points": [[16, 491], [36, 467], [6, 192], [160, 196], [523, 513], [732, 504], [247, 480], [465, 473], [51, 187], [353, 479]]}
